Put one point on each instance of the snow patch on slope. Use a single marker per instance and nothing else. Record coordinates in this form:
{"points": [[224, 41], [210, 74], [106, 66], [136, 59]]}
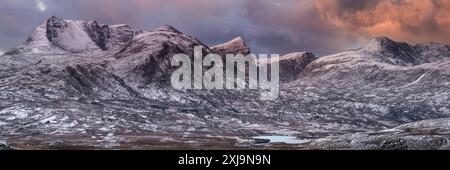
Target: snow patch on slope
{"points": [[38, 38], [416, 81], [74, 38]]}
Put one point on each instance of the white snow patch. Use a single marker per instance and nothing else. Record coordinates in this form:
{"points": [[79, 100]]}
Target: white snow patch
{"points": [[49, 119], [444, 110], [416, 81], [110, 138], [104, 129], [16, 112]]}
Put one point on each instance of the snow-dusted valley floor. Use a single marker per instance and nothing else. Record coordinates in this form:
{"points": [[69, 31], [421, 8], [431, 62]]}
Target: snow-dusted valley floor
{"points": [[82, 85]]}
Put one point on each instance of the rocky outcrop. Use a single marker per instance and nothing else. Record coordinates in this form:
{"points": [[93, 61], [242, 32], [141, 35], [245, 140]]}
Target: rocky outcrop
{"points": [[291, 65]]}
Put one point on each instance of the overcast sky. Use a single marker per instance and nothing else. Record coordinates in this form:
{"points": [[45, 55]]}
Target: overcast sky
{"points": [[269, 26]]}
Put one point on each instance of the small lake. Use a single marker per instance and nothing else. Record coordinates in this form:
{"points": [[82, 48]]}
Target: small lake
{"points": [[281, 139]]}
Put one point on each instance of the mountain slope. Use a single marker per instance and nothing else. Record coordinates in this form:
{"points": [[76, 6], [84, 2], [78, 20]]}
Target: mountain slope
{"points": [[366, 89], [148, 56]]}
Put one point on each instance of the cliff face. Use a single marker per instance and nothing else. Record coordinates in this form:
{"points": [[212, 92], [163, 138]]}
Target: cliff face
{"points": [[291, 65]]}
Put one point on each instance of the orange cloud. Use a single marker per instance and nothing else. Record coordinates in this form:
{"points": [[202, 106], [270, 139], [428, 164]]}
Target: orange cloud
{"points": [[406, 20]]}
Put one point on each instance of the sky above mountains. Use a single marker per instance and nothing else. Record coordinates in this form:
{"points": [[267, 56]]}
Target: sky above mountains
{"points": [[320, 26]]}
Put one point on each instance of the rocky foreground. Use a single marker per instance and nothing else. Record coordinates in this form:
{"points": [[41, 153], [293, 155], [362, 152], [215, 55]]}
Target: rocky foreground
{"points": [[83, 85]]}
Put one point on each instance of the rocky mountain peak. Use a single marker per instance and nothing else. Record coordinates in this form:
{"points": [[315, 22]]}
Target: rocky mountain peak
{"points": [[384, 39], [79, 36], [401, 53], [235, 46], [390, 51], [148, 42], [385, 44], [167, 28], [149, 54]]}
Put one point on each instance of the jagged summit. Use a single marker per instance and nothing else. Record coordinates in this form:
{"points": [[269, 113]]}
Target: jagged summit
{"points": [[79, 36], [69, 35], [235, 46]]}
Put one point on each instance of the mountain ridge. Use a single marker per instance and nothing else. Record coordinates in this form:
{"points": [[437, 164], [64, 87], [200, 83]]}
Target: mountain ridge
{"points": [[401, 53], [88, 35]]}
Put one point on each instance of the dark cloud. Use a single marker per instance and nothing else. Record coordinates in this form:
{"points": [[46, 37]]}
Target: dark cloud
{"points": [[293, 26], [320, 26]]}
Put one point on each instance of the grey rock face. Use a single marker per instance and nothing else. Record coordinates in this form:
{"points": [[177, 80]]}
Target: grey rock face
{"points": [[119, 97], [99, 34], [291, 65], [53, 25]]}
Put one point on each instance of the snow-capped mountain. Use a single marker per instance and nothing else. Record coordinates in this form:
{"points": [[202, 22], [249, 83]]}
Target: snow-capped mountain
{"points": [[70, 36], [85, 85]]}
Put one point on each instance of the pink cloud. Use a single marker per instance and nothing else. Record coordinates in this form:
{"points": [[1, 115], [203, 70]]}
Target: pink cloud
{"points": [[407, 20]]}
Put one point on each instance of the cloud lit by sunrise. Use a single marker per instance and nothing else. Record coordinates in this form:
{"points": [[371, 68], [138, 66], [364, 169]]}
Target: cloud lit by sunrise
{"points": [[406, 20]]}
